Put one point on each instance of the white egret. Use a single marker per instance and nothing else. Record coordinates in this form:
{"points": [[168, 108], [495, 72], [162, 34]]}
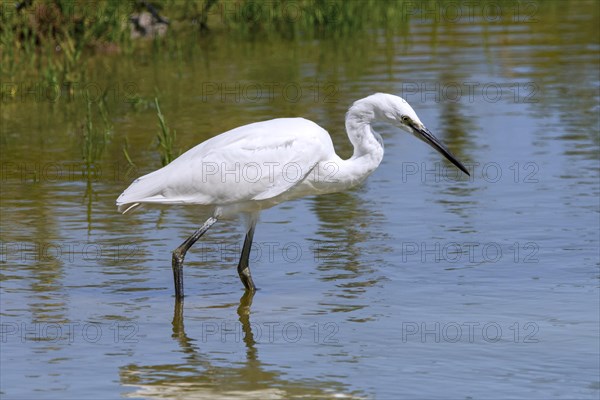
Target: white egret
{"points": [[257, 166]]}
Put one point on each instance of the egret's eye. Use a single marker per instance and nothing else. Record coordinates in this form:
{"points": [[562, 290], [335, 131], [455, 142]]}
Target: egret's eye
{"points": [[405, 119]]}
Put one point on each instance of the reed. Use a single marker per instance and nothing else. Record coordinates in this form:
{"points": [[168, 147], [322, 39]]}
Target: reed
{"points": [[166, 138], [95, 139]]}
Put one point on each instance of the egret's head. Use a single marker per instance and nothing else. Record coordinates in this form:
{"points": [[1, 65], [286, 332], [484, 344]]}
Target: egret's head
{"points": [[396, 111]]}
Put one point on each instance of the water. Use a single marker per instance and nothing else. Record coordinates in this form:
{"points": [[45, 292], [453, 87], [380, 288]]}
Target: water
{"points": [[418, 284]]}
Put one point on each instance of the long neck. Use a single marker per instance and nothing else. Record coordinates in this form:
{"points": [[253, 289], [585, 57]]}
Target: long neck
{"points": [[368, 145], [365, 140], [368, 153]]}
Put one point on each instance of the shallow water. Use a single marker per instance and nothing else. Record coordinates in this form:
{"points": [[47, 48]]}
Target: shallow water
{"points": [[418, 284]]}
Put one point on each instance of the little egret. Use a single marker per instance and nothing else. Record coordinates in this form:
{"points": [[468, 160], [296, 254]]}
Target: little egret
{"points": [[257, 166]]}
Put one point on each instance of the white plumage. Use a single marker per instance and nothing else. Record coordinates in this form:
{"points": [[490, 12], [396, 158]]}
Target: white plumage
{"points": [[245, 168], [259, 165]]}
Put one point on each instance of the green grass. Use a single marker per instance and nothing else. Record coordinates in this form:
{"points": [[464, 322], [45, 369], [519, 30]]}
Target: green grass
{"points": [[54, 38], [166, 138], [306, 18], [95, 140]]}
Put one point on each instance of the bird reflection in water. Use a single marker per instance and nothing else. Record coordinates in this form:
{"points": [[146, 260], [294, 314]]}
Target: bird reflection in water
{"points": [[202, 375]]}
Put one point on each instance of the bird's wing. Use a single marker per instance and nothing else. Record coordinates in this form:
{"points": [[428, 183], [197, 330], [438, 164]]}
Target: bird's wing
{"points": [[254, 162]]}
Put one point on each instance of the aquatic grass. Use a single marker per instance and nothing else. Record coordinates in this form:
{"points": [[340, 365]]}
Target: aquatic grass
{"points": [[55, 35], [90, 150], [95, 140], [131, 166], [166, 138], [55, 38], [125, 149], [94, 144], [293, 19], [103, 110]]}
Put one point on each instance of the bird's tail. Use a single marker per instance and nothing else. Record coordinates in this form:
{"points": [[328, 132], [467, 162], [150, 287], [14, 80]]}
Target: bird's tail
{"points": [[146, 189]]}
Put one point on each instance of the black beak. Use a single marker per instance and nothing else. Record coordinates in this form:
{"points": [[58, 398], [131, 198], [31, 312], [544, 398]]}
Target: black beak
{"points": [[425, 135]]}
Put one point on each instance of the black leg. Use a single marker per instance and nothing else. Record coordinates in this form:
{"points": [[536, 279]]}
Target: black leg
{"points": [[244, 265], [179, 255]]}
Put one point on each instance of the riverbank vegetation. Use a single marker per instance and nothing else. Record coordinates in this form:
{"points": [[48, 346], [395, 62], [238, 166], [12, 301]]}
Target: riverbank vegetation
{"points": [[52, 38]]}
